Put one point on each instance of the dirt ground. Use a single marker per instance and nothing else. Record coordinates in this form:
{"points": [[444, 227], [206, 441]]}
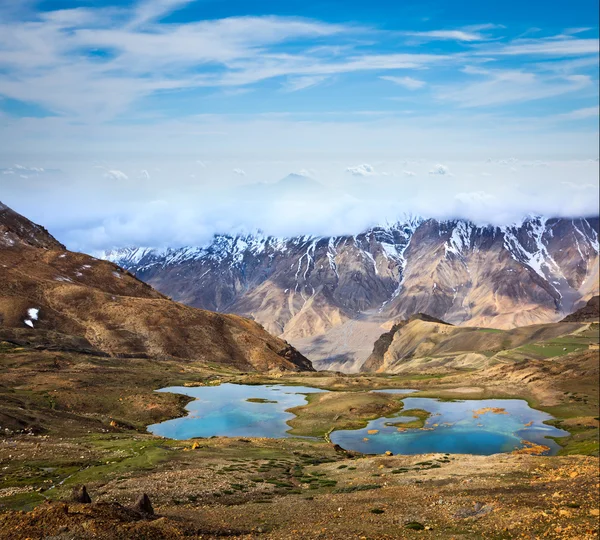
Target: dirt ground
{"points": [[294, 489]]}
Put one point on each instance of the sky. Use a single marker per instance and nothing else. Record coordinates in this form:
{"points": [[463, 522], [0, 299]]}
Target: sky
{"points": [[162, 122]]}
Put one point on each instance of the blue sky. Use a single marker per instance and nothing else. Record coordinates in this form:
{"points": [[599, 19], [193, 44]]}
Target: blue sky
{"points": [[124, 98], [100, 62]]}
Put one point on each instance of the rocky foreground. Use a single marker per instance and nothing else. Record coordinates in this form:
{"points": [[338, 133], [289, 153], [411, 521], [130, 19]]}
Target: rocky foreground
{"points": [[285, 490]]}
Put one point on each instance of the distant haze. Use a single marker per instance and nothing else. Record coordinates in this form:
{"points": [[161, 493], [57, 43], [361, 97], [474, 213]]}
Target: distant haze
{"points": [[185, 203]]}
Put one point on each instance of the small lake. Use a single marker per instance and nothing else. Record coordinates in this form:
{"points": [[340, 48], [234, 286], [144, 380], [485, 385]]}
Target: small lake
{"points": [[224, 411], [481, 427]]}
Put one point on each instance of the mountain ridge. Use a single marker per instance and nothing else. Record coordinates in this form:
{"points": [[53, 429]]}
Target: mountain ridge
{"points": [[536, 271]]}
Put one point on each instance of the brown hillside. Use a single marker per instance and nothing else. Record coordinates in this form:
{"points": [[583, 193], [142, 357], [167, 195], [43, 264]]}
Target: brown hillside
{"points": [[76, 295], [16, 230], [425, 344]]}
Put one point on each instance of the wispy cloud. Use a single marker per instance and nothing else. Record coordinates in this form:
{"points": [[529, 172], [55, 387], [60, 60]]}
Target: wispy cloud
{"points": [[580, 114], [558, 46], [293, 84], [361, 170], [406, 82], [95, 63], [467, 34], [500, 87], [115, 174], [149, 10]]}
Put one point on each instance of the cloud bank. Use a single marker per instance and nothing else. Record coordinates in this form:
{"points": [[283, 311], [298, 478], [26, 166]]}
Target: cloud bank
{"points": [[95, 210]]}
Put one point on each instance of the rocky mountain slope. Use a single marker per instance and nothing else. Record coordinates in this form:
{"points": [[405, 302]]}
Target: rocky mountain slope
{"points": [[316, 291], [54, 298], [18, 231], [423, 344], [589, 312]]}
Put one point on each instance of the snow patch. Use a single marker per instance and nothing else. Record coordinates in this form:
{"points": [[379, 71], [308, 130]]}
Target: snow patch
{"points": [[33, 314]]}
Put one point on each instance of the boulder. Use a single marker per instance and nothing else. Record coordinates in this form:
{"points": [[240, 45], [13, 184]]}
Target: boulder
{"points": [[80, 495], [143, 505]]}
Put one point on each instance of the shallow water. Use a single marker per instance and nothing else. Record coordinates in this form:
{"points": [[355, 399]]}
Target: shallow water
{"points": [[453, 427], [224, 411]]}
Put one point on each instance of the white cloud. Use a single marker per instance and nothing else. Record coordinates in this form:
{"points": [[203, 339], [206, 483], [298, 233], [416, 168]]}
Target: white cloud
{"points": [[239, 172], [406, 82], [137, 56], [144, 174], [500, 87], [26, 172], [142, 212], [115, 174], [559, 47], [361, 170], [452, 35], [148, 10], [439, 169], [474, 197], [580, 114], [581, 187], [293, 84], [409, 173]]}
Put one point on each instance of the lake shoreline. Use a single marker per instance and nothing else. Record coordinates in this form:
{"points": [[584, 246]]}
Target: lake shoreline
{"points": [[352, 419]]}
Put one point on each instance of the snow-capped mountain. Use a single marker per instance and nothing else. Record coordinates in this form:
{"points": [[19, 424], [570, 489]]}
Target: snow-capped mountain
{"points": [[535, 271]]}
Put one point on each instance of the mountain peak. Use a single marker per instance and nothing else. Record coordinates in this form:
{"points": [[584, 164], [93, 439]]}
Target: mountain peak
{"points": [[17, 230]]}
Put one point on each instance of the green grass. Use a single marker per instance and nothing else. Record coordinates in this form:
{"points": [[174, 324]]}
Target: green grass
{"points": [[553, 348], [22, 501], [325, 413], [144, 461], [260, 400], [420, 415], [582, 440]]}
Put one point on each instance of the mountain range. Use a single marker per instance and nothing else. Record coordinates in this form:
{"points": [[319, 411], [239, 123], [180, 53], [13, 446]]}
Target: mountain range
{"points": [[332, 297]]}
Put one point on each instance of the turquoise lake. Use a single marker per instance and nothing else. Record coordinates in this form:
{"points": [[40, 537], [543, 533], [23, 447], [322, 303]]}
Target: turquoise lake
{"points": [[223, 411], [453, 427]]}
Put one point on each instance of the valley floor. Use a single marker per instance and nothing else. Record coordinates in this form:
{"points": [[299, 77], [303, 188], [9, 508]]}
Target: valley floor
{"points": [[70, 419], [293, 489]]}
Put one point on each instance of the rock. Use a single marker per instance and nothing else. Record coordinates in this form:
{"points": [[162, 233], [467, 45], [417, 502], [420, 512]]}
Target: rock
{"points": [[80, 495], [339, 449], [478, 510], [415, 526], [388, 453], [143, 505]]}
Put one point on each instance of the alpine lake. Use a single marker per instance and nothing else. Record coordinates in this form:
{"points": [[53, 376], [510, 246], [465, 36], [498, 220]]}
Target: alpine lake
{"points": [[424, 425]]}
